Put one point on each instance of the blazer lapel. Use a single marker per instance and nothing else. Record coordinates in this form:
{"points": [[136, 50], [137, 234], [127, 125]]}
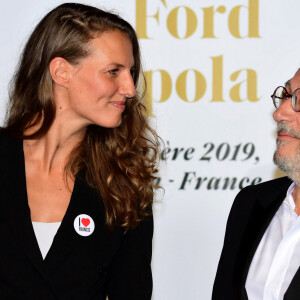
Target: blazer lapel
{"points": [[13, 196], [95, 249], [264, 208], [67, 239], [293, 290]]}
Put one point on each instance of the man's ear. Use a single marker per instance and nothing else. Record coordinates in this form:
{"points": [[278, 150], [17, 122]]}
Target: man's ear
{"points": [[60, 71]]}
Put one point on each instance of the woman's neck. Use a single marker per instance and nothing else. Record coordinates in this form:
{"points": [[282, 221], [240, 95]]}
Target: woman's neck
{"points": [[54, 148]]}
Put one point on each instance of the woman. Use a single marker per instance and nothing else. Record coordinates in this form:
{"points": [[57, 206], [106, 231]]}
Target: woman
{"points": [[78, 163]]}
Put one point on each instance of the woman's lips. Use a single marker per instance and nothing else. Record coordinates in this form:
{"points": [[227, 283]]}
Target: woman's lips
{"points": [[118, 104]]}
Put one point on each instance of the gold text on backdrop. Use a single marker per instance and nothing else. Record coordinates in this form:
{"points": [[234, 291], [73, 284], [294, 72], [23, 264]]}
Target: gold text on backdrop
{"points": [[208, 15], [164, 80]]}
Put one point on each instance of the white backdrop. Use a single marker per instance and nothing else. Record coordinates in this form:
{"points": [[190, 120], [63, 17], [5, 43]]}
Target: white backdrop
{"points": [[211, 67]]}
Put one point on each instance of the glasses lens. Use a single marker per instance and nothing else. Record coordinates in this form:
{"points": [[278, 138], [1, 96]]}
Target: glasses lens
{"points": [[296, 100], [279, 96]]}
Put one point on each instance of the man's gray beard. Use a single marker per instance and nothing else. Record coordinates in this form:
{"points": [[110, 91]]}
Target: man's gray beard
{"points": [[291, 164]]}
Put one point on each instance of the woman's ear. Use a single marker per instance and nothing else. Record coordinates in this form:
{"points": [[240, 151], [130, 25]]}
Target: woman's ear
{"points": [[60, 71]]}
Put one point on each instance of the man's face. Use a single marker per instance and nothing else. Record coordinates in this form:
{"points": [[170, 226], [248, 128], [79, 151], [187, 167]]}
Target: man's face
{"points": [[287, 155]]}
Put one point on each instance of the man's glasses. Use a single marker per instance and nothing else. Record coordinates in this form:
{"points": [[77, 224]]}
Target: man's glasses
{"points": [[281, 94]]}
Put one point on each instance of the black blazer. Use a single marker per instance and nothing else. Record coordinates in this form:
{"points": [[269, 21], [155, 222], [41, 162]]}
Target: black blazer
{"points": [[250, 215], [105, 263]]}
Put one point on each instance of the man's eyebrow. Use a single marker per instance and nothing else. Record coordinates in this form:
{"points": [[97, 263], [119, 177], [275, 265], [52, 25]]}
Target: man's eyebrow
{"points": [[288, 86]]}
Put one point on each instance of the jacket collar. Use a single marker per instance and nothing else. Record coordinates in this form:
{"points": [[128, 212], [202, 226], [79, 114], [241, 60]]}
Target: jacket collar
{"points": [[13, 196], [271, 191], [269, 197]]}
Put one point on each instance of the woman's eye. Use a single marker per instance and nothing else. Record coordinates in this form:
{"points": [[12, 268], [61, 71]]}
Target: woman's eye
{"points": [[132, 72], [113, 71]]}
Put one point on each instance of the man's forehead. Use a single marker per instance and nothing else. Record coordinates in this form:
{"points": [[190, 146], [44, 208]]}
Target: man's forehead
{"points": [[288, 85], [293, 83]]}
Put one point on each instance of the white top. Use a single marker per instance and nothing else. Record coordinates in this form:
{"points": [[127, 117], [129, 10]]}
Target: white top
{"points": [[277, 258], [45, 233]]}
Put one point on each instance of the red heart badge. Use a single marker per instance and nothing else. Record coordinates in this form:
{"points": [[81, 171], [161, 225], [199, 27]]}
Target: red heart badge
{"points": [[85, 222]]}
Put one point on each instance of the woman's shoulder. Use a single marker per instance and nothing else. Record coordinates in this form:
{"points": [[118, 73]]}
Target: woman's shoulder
{"points": [[10, 148], [7, 141]]}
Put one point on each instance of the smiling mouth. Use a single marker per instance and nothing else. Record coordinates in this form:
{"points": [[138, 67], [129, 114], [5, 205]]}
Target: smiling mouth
{"points": [[118, 104]]}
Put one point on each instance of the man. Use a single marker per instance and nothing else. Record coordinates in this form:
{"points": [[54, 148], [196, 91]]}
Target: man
{"points": [[260, 259]]}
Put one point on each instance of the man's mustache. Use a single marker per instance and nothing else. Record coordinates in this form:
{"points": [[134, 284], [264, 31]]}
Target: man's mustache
{"points": [[285, 128]]}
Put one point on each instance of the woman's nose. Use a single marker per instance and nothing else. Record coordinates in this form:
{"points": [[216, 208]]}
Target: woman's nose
{"points": [[127, 87]]}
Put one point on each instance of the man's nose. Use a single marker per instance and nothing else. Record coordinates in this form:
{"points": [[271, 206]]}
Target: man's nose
{"points": [[285, 112]]}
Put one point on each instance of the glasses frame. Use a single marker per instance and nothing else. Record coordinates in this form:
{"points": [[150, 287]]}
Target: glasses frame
{"points": [[288, 95]]}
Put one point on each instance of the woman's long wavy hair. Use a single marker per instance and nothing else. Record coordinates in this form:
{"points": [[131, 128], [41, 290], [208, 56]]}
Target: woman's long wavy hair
{"points": [[119, 162]]}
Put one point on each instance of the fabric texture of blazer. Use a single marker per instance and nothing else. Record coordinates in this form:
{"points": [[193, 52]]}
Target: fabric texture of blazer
{"points": [[110, 263], [250, 216]]}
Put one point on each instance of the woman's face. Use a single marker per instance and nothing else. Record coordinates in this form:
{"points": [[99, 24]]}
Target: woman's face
{"points": [[99, 85]]}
